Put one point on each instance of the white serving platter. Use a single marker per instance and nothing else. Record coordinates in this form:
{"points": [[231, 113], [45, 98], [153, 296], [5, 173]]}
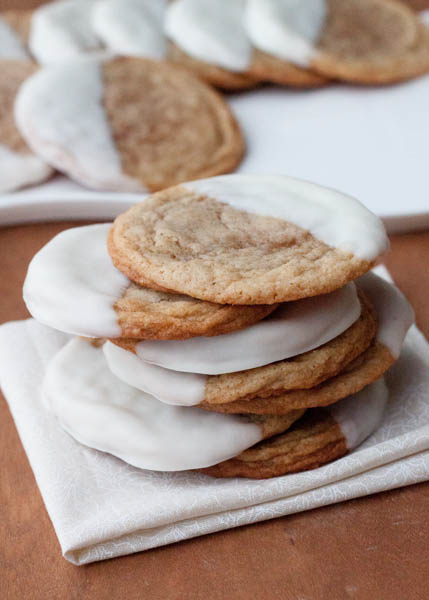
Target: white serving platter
{"points": [[372, 143]]}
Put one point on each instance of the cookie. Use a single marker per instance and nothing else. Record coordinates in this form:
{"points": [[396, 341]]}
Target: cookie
{"points": [[62, 30], [245, 239], [72, 286], [19, 167], [363, 41], [14, 26], [321, 436], [137, 124], [304, 370], [100, 411]]}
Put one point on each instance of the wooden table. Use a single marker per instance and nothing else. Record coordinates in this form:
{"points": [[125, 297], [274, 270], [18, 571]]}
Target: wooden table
{"points": [[370, 548]]}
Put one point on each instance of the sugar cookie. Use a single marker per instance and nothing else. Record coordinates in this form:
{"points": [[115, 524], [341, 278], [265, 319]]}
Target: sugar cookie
{"points": [[247, 239], [136, 124], [365, 41]]}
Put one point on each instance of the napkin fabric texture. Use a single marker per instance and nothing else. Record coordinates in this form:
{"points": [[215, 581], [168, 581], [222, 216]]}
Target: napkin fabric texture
{"points": [[101, 507]]}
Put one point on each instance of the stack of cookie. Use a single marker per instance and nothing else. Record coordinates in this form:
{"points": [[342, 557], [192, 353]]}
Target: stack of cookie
{"points": [[236, 329]]}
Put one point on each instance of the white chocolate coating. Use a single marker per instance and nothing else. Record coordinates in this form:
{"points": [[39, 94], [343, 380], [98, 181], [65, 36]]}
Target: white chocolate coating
{"points": [[19, 170], [62, 30], [395, 315], [211, 30], [60, 114], [171, 387], [132, 27], [100, 411], [287, 29], [294, 328], [359, 415], [330, 216], [72, 285], [11, 46]]}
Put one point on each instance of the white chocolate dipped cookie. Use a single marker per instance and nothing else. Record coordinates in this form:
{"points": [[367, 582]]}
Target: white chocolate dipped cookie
{"points": [[72, 286], [364, 41], [247, 239], [127, 124], [19, 166], [102, 412], [253, 391]]}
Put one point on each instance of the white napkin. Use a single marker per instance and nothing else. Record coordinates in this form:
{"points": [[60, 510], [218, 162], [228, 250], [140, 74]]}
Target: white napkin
{"points": [[102, 507]]}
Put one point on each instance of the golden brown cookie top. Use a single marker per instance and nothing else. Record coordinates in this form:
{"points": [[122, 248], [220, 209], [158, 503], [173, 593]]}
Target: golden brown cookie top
{"points": [[149, 314], [372, 41], [244, 239]]}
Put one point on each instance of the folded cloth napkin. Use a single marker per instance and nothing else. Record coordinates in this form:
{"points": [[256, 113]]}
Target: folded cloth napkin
{"points": [[101, 507]]}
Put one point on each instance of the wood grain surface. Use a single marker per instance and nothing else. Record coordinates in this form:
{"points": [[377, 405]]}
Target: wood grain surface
{"points": [[371, 548]]}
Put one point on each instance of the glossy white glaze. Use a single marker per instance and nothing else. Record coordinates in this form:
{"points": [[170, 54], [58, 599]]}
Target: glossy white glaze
{"points": [[102, 412], [72, 284]]}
